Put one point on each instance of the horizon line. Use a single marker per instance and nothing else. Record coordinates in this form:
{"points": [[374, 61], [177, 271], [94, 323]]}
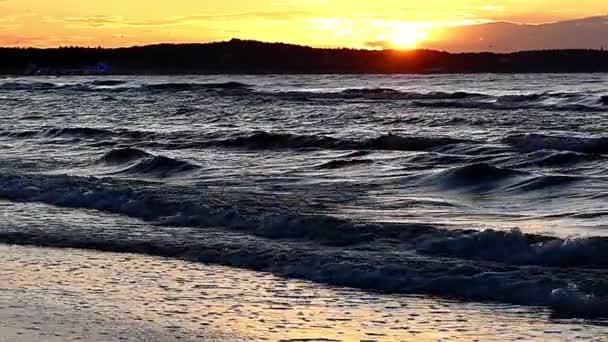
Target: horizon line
{"points": [[235, 40]]}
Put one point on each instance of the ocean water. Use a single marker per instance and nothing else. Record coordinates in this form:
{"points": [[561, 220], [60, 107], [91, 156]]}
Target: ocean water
{"points": [[478, 188]]}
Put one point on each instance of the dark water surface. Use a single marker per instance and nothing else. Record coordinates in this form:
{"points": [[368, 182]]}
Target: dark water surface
{"points": [[476, 187]]}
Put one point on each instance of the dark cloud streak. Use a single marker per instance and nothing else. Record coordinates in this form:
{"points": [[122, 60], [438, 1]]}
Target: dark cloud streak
{"points": [[101, 21]]}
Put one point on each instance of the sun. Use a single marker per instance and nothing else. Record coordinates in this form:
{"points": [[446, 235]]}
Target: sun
{"points": [[408, 38]]}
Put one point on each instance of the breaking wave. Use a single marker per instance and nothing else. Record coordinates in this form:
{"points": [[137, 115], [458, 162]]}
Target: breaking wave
{"points": [[501, 266], [141, 200], [445, 170]]}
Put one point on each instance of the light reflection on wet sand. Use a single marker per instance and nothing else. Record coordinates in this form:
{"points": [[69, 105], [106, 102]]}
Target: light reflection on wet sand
{"points": [[185, 300]]}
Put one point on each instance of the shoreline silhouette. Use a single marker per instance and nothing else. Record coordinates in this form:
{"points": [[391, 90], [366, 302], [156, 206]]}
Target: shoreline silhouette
{"points": [[254, 57]]}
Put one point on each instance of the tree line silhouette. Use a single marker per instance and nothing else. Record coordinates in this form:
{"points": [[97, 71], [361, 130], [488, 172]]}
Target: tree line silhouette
{"points": [[240, 56]]}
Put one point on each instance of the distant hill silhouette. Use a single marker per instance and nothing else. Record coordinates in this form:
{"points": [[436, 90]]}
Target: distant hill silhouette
{"points": [[587, 33], [238, 56]]}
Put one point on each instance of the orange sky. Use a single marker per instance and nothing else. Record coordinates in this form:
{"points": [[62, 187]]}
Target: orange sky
{"points": [[350, 23]]}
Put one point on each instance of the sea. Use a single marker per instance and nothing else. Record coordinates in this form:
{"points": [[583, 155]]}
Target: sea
{"points": [[483, 189]]}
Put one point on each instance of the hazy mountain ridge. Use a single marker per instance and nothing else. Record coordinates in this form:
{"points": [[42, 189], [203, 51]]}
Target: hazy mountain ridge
{"points": [[587, 33]]}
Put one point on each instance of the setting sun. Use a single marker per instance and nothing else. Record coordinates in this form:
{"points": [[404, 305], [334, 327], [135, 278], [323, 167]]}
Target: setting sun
{"points": [[408, 38]]}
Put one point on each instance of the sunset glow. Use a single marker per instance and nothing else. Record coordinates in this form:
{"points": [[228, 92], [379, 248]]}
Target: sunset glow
{"points": [[321, 23], [407, 36]]}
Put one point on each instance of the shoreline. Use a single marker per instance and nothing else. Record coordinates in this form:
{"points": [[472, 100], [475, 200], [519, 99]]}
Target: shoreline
{"points": [[94, 295], [24, 317]]}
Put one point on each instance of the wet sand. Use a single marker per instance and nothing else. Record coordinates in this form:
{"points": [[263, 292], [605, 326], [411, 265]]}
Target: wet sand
{"points": [[71, 295], [26, 318]]}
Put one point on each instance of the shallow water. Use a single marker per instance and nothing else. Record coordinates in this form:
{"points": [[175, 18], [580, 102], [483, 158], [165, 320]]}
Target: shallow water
{"points": [[191, 300], [400, 184]]}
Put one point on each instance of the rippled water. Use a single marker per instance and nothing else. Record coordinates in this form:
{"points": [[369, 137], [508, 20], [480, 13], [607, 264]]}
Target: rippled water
{"points": [[109, 297], [476, 187]]}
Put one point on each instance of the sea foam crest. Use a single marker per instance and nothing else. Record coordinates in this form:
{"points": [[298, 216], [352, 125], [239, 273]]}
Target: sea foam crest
{"points": [[473, 265]]}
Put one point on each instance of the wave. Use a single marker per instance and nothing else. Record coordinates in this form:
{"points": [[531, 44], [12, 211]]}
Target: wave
{"points": [[544, 158], [257, 141], [119, 85], [516, 248], [543, 182], [85, 132], [392, 94], [473, 175], [159, 166], [436, 99], [370, 94], [437, 159], [79, 132], [485, 177], [196, 86], [406, 274], [520, 98], [490, 265], [267, 140], [170, 206], [542, 101], [400, 143], [500, 105], [123, 155], [537, 142], [357, 154], [457, 99], [20, 86], [107, 83], [343, 163]]}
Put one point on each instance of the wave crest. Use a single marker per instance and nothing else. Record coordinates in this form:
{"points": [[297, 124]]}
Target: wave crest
{"points": [[537, 142], [18, 86], [476, 175], [492, 265], [160, 166], [196, 86], [123, 155], [343, 163], [514, 247], [267, 140]]}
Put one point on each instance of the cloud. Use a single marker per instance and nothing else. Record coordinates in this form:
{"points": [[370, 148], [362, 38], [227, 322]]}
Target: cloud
{"points": [[379, 44], [21, 40], [112, 21]]}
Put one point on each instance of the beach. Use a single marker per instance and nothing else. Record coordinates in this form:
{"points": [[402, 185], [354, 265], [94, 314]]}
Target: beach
{"points": [[304, 207], [71, 295]]}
